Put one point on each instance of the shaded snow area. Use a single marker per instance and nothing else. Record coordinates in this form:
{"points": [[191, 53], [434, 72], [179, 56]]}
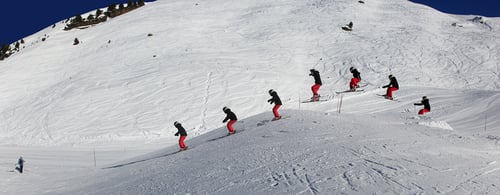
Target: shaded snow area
{"points": [[97, 117]]}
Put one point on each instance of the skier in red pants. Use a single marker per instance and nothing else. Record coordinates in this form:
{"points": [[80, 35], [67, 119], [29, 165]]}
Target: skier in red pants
{"points": [[277, 104], [232, 119], [425, 103], [391, 87], [317, 84], [356, 78], [182, 132]]}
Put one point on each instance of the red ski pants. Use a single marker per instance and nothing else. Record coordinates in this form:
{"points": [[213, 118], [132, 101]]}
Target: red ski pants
{"points": [[181, 141], [230, 126], [390, 90], [423, 111], [275, 111], [354, 83], [315, 89]]}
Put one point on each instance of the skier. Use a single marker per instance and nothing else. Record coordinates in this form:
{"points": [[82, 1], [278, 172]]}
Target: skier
{"points": [[277, 103], [182, 132], [232, 119], [356, 78], [20, 164], [392, 86], [317, 84], [348, 27], [425, 103]]}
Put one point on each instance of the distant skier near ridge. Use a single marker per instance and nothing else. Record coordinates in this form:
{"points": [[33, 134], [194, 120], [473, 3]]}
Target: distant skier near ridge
{"points": [[277, 103], [232, 119], [20, 164], [317, 84], [182, 132], [391, 87], [356, 78], [425, 103]]}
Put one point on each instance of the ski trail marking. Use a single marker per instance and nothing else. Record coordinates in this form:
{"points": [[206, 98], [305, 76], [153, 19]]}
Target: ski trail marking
{"points": [[206, 99], [314, 190]]}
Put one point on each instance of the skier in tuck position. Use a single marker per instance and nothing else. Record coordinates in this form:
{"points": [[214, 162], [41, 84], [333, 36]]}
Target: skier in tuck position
{"points": [[317, 84], [425, 103], [277, 104], [356, 78], [182, 132], [391, 87], [232, 119]]}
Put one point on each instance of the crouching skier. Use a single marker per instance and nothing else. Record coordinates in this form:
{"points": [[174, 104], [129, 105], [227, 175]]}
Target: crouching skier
{"points": [[425, 103], [317, 84], [182, 132], [232, 119], [356, 78], [277, 104], [391, 87]]}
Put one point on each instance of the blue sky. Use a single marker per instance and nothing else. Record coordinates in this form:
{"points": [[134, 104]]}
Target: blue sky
{"points": [[489, 8], [23, 18]]}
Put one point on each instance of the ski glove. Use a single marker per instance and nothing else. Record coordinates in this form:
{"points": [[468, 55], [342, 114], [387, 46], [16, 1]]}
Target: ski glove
{"points": [[270, 101], [177, 134]]}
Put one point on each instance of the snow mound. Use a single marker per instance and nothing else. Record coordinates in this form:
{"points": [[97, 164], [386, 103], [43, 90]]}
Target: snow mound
{"points": [[436, 124]]}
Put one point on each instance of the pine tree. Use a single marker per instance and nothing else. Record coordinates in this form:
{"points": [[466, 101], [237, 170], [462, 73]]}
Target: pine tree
{"points": [[90, 17], [5, 48], [141, 2], [130, 5], [78, 18], [98, 13]]}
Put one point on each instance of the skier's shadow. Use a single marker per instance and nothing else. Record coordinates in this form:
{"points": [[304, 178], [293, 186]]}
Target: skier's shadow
{"points": [[138, 161], [263, 122]]}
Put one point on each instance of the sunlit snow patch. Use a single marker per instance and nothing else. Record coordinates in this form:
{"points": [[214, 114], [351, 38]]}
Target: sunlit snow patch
{"points": [[436, 124]]}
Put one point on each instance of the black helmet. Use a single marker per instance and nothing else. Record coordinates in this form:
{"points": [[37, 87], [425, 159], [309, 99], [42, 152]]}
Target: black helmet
{"points": [[271, 91], [176, 123], [390, 76], [225, 108], [312, 70], [351, 68], [425, 97]]}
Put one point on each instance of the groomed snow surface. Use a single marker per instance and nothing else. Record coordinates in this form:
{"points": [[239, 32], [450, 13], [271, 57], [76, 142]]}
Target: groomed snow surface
{"points": [[97, 118]]}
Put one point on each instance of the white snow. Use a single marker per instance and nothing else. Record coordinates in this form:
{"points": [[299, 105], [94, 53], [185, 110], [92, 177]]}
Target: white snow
{"points": [[116, 95]]}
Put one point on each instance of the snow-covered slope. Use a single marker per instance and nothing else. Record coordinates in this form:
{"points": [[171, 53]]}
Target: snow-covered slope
{"points": [[121, 90]]}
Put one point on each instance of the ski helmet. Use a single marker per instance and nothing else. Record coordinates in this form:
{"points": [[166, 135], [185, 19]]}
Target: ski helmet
{"points": [[351, 68], [390, 76], [312, 70], [225, 108], [176, 123], [271, 91], [425, 97]]}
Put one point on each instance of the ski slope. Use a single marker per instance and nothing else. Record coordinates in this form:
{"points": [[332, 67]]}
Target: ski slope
{"points": [[116, 95]]}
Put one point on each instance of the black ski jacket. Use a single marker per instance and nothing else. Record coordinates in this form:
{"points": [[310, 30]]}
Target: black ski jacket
{"points": [[275, 99], [356, 74], [425, 103], [180, 130], [317, 78], [229, 115], [393, 83]]}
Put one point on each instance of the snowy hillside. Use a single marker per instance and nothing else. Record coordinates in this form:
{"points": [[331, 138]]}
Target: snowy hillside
{"points": [[119, 91]]}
